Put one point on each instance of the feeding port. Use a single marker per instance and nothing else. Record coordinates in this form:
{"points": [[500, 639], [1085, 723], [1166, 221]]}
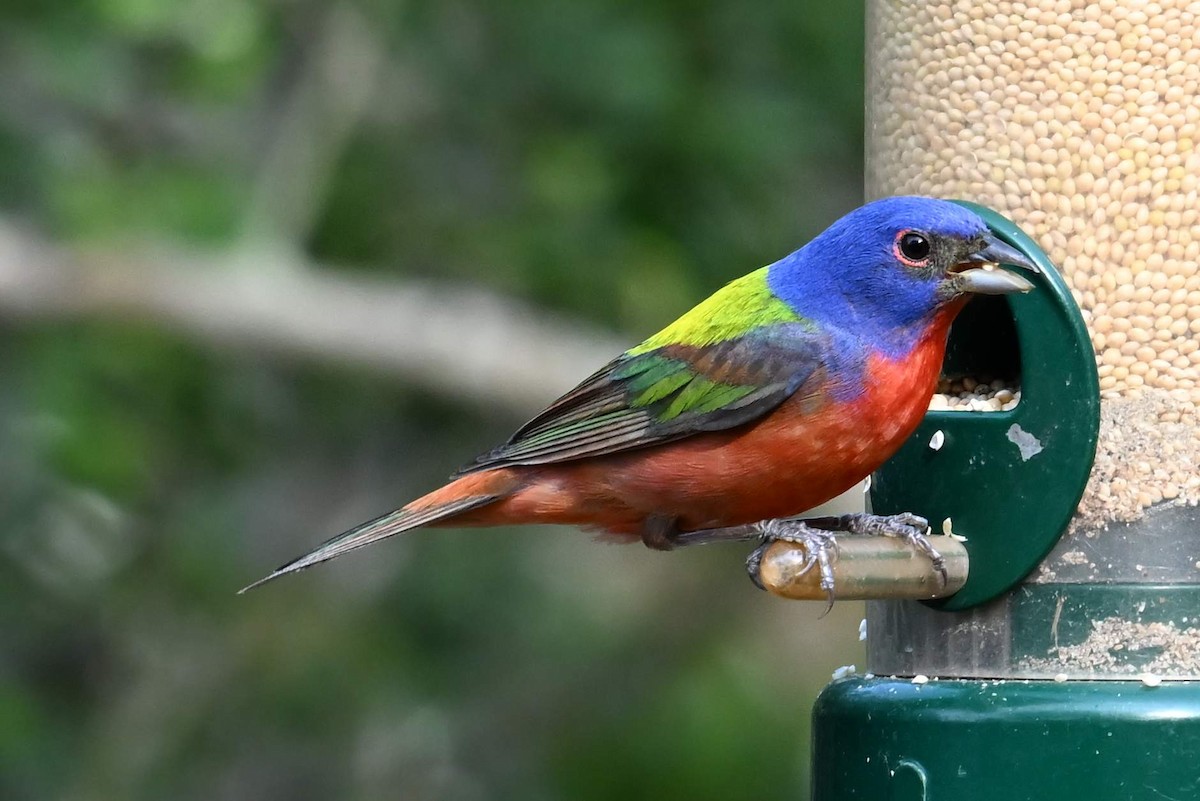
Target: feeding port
{"points": [[982, 369]]}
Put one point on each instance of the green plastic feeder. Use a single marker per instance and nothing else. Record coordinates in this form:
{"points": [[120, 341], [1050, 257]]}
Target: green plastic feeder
{"points": [[1075, 679], [890, 739]]}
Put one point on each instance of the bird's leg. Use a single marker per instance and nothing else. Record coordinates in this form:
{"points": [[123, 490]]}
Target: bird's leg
{"points": [[906, 526], [662, 533], [710, 535]]}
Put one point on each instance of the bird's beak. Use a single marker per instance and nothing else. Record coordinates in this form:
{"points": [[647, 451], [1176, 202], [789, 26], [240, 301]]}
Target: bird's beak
{"points": [[979, 273]]}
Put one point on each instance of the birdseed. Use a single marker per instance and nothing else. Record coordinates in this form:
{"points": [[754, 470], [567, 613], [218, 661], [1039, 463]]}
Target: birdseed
{"points": [[967, 394], [1080, 121]]}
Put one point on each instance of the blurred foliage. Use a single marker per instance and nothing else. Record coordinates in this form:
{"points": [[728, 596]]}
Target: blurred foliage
{"points": [[615, 162]]}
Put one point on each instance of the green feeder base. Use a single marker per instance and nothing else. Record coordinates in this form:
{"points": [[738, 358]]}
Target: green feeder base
{"points": [[889, 738]]}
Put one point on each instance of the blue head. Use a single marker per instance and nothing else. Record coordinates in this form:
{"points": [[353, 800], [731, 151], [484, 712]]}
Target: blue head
{"points": [[886, 269]]}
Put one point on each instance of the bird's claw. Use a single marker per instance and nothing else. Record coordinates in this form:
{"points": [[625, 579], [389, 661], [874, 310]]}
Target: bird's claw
{"points": [[907, 526], [820, 550], [754, 565], [915, 531], [920, 541]]}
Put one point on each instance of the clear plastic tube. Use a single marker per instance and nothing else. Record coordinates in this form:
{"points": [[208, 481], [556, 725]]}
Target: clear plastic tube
{"points": [[1081, 122]]}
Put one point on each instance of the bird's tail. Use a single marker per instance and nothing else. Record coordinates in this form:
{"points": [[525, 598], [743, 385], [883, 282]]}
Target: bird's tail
{"points": [[462, 495]]}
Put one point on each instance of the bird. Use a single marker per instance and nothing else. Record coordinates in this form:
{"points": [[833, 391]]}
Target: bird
{"points": [[780, 391]]}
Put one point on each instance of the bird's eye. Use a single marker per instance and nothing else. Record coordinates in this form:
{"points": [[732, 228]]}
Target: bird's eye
{"points": [[913, 248]]}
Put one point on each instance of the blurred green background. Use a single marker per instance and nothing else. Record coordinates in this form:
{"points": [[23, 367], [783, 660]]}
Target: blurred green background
{"points": [[220, 224]]}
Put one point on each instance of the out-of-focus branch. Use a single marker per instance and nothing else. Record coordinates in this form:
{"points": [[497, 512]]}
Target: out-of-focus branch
{"points": [[317, 118], [460, 341]]}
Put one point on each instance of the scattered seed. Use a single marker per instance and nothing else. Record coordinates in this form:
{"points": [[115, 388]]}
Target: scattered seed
{"points": [[1120, 646], [920, 678], [1135, 431], [937, 440], [948, 530]]}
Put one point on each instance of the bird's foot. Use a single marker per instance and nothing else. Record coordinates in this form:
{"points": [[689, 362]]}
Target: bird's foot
{"points": [[820, 550], [911, 528]]}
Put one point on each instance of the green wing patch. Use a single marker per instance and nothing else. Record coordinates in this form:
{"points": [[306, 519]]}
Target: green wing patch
{"points": [[655, 377], [702, 396], [643, 399]]}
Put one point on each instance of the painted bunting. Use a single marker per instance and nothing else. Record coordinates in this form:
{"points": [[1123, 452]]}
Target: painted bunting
{"points": [[780, 391]]}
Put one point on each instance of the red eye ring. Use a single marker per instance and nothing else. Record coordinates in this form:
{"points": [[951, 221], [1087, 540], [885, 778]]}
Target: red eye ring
{"points": [[912, 248]]}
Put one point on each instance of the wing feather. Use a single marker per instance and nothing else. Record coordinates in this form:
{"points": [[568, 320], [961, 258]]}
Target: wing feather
{"points": [[647, 398]]}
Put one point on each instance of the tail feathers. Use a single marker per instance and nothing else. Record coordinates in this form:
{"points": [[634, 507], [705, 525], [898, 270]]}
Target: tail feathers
{"points": [[374, 530]]}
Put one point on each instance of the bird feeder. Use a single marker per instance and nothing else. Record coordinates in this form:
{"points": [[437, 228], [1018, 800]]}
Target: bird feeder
{"points": [[1061, 667]]}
